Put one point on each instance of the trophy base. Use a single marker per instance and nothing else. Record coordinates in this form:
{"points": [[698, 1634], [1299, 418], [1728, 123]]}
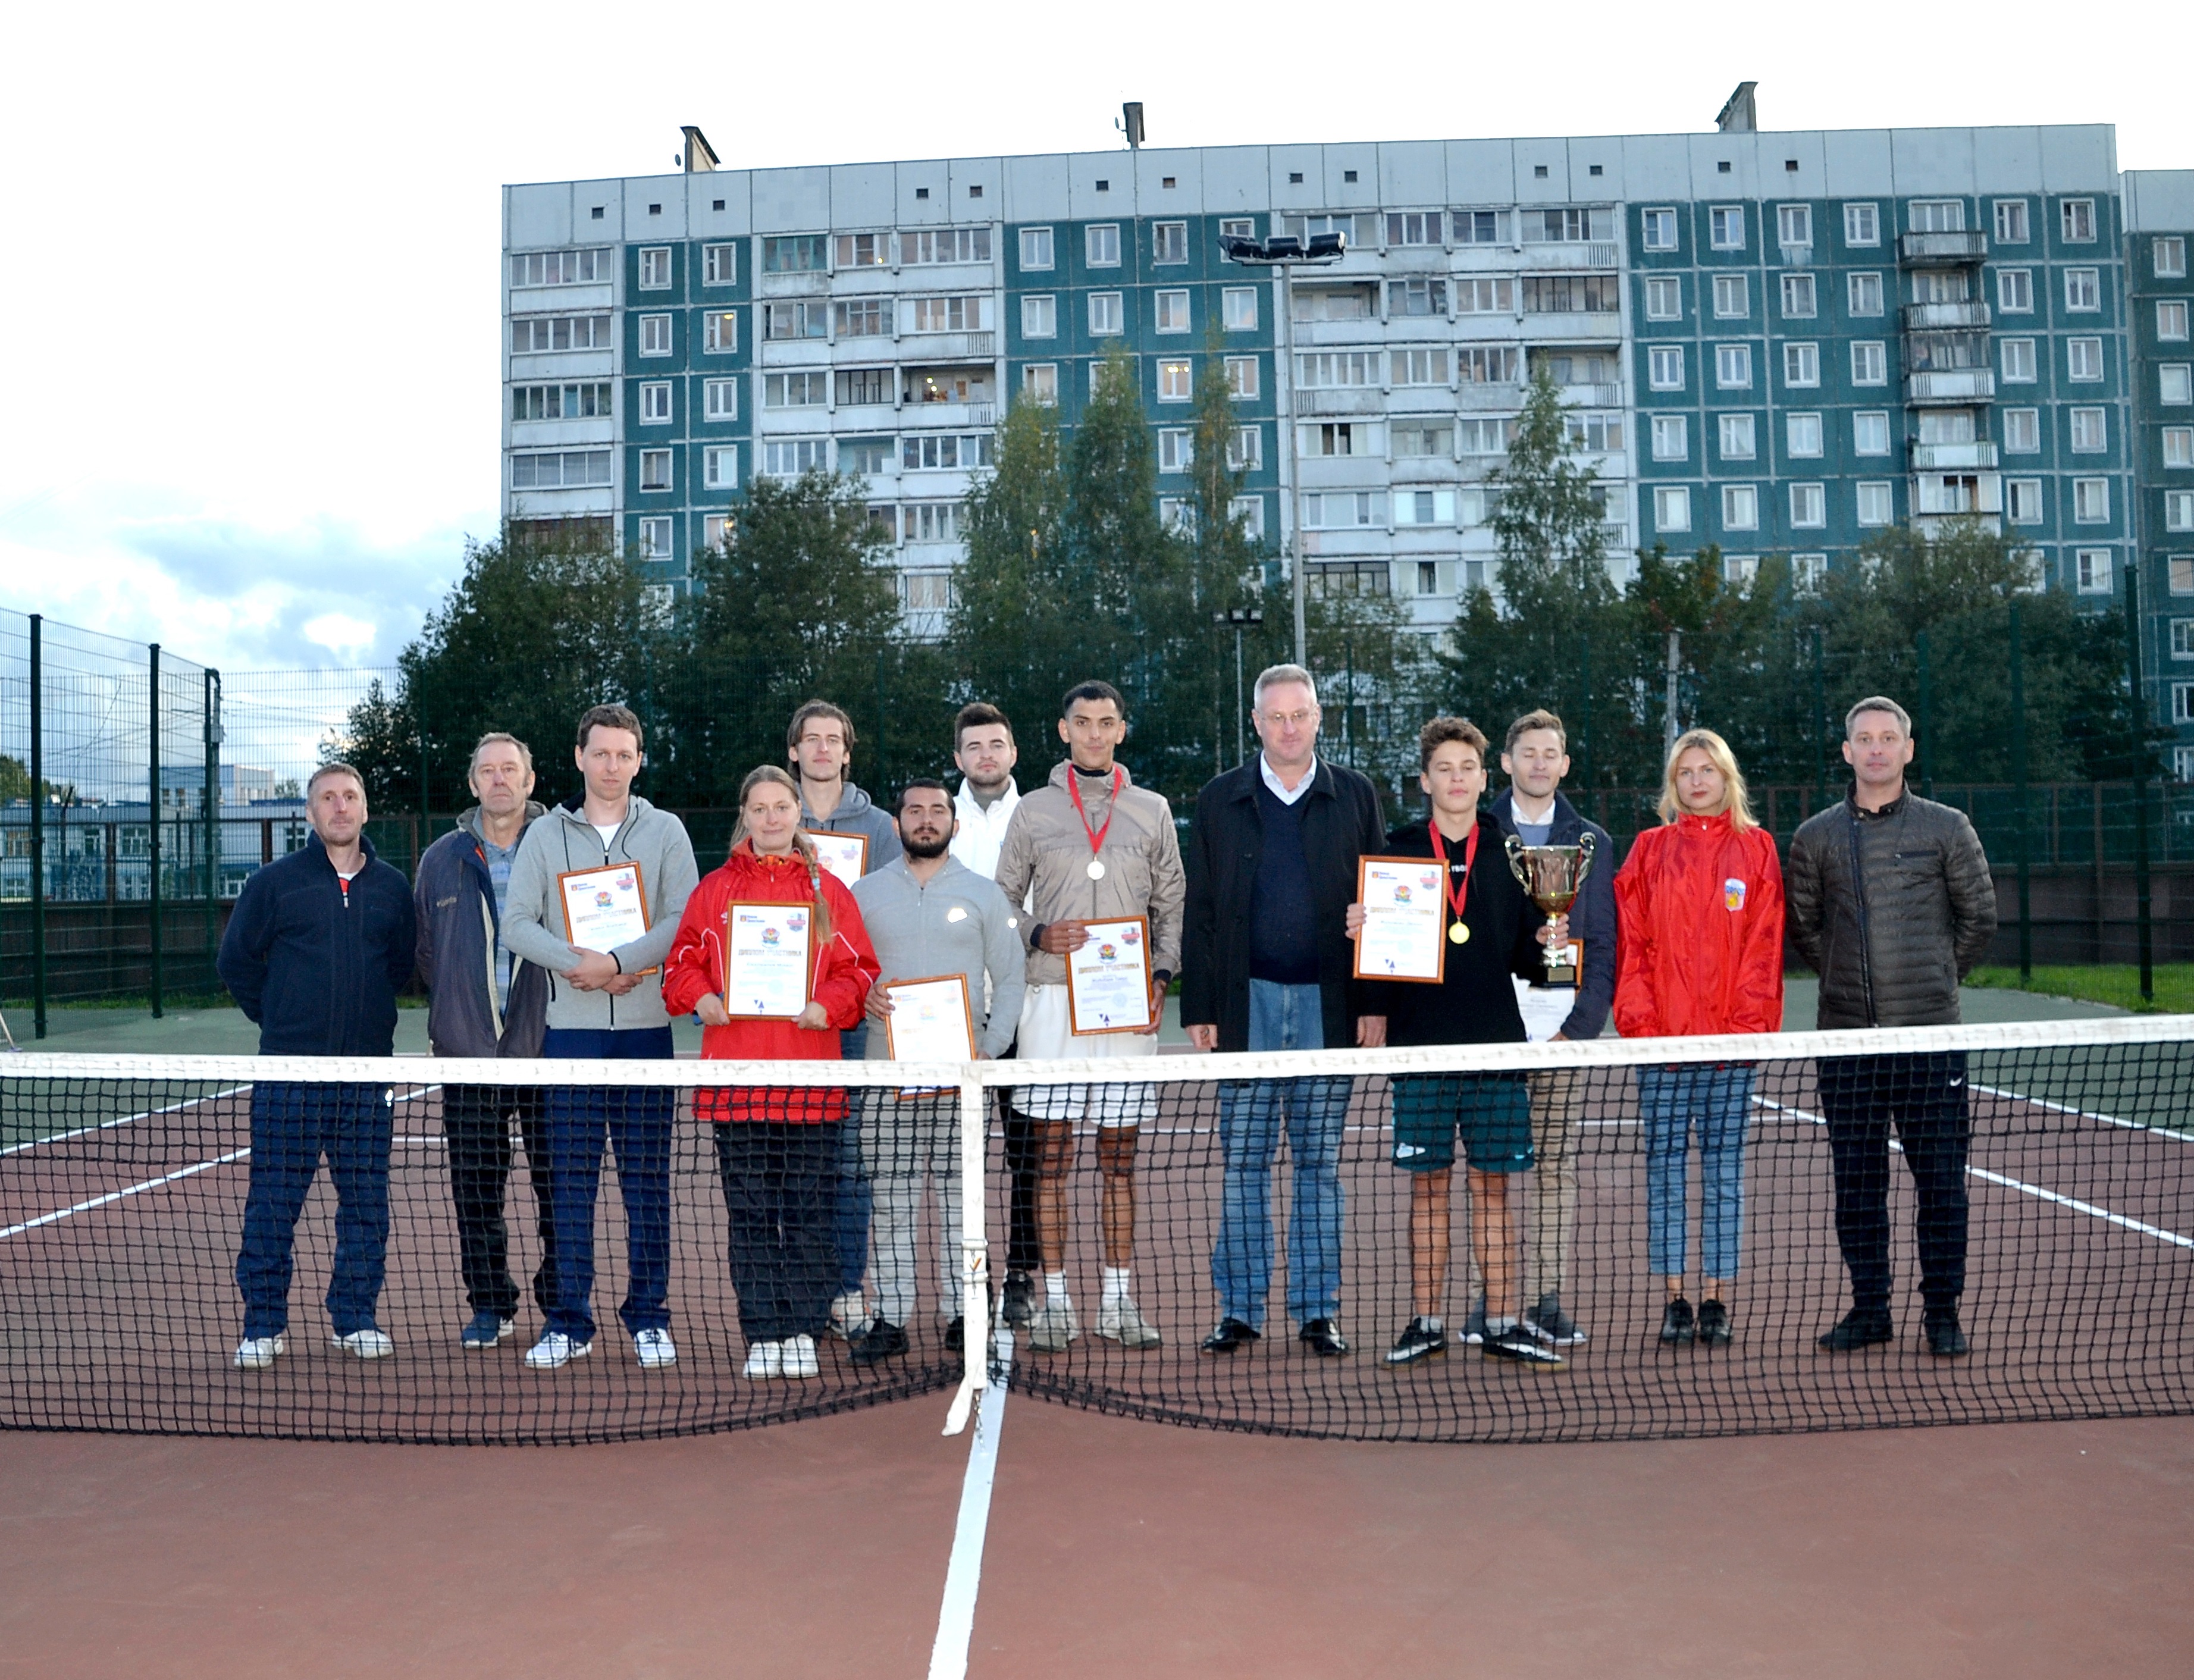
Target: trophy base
{"points": [[1564, 978]]}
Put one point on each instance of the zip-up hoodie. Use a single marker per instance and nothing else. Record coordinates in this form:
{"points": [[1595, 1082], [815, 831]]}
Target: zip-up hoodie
{"points": [[856, 813], [839, 975], [533, 914], [453, 898], [316, 968]]}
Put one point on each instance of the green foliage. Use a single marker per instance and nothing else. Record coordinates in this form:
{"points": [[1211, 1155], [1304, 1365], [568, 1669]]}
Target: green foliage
{"points": [[15, 781]]}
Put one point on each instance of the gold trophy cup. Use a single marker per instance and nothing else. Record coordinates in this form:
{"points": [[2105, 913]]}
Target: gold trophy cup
{"points": [[1551, 877]]}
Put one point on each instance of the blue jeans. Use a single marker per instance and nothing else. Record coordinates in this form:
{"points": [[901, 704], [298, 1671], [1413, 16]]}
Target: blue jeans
{"points": [[1718, 1101], [1250, 1115], [853, 1190], [637, 1121], [292, 1126]]}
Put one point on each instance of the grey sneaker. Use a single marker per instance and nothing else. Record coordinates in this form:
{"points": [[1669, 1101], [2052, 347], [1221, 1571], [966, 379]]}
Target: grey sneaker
{"points": [[1053, 1328], [1551, 1324], [1123, 1322], [1473, 1328]]}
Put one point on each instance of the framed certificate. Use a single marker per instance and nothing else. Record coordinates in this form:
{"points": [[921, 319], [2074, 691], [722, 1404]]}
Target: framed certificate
{"points": [[603, 908], [1405, 902], [929, 1022], [845, 856], [765, 961], [1108, 980]]}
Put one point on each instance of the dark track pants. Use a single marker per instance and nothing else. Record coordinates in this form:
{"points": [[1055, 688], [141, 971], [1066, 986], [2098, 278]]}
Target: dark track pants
{"points": [[293, 1125], [636, 1120], [780, 1195], [1924, 1099], [476, 1133]]}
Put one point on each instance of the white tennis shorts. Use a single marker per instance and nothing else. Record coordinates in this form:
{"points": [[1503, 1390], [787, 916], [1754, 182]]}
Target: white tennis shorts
{"points": [[1045, 1033]]}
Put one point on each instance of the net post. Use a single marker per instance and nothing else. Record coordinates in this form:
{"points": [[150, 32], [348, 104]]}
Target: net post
{"points": [[974, 1259]]}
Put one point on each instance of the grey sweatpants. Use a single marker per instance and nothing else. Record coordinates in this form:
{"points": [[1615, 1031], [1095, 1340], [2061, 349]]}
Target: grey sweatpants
{"points": [[906, 1142]]}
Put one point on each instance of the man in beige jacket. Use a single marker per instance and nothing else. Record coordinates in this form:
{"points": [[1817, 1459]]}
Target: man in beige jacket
{"points": [[1089, 846]]}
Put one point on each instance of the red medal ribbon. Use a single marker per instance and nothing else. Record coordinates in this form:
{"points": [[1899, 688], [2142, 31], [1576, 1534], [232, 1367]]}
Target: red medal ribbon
{"points": [[1074, 788], [1456, 900]]}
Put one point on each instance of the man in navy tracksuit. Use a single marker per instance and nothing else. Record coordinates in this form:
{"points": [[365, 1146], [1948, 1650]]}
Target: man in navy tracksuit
{"points": [[316, 949]]}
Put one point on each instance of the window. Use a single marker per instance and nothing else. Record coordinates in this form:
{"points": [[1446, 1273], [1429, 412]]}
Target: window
{"points": [[1250, 510], [1938, 215], [2182, 703], [1173, 311], [1419, 367], [1036, 248], [947, 314], [1657, 229], [2179, 568], [1245, 449], [794, 254], [1330, 437], [1664, 299], [933, 521], [2167, 255], [2022, 431], [866, 455], [1243, 380], [2182, 644], [796, 317], [1864, 293], [1794, 224], [1040, 316], [1870, 433], [1740, 437], [719, 399], [1809, 505], [795, 390], [1414, 438], [1428, 578], [2083, 289], [1484, 296], [720, 466], [1176, 381], [1876, 503], [1424, 507], [655, 539], [1672, 508], [1801, 365], [1100, 242], [1862, 224], [926, 591], [944, 452], [2014, 290], [1725, 227], [1415, 227], [655, 334], [1416, 297], [2083, 358], [1483, 437], [2091, 570], [1040, 383], [1176, 448], [719, 332], [2091, 501], [1238, 307], [655, 469], [655, 268], [1239, 227], [560, 268], [1490, 227], [2022, 500], [589, 401], [1568, 226], [1799, 297], [1169, 242], [1671, 438], [720, 265], [1572, 294], [655, 402], [533, 334], [714, 529], [2019, 361], [2171, 320], [2179, 510], [1740, 507], [571, 469], [860, 318], [1497, 365], [1105, 314], [1734, 366], [2174, 383], [2178, 446], [789, 457], [1664, 367], [2090, 433], [1870, 360], [1740, 569], [1808, 572], [1732, 297], [1802, 434], [2011, 221], [1339, 510], [1339, 367], [2077, 218], [946, 244], [864, 250]]}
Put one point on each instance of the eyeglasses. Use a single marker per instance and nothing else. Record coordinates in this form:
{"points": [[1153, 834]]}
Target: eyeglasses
{"points": [[1298, 718]]}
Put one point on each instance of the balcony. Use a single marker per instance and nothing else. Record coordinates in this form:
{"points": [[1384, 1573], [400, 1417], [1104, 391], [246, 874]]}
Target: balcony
{"points": [[1341, 402], [949, 346], [1953, 457], [1595, 253], [1936, 317], [1931, 250], [1956, 495], [1958, 387]]}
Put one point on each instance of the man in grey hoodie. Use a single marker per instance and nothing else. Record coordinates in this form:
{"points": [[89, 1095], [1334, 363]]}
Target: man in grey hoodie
{"points": [[484, 1001], [605, 1005]]}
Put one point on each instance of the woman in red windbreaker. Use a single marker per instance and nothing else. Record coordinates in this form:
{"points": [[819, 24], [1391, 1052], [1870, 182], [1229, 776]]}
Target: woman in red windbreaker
{"points": [[1699, 949], [777, 1146]]}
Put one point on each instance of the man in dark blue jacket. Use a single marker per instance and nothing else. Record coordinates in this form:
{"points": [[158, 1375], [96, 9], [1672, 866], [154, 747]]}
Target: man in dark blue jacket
{"points": [[484, 1001], [316, 949], [1536, 759]]}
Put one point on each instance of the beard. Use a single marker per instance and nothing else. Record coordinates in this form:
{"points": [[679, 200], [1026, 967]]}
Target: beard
{"points": [[936, 846]]}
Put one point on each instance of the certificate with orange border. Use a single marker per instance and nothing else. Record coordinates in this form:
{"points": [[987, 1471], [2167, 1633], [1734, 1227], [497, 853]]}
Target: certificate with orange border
{"points": [[1404, 908], [1108, 980], [604, 908], [845, 856]]}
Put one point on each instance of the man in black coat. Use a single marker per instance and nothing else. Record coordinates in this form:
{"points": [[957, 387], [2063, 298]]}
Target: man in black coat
{"points": [[315, 951], [1265, 962]]}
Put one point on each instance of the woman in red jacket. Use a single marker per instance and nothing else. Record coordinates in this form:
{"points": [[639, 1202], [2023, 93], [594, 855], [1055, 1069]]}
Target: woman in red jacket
{"points": [[1699, 949], [777, 1146]]}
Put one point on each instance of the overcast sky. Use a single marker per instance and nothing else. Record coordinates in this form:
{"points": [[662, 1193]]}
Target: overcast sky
{"points": [[250, 252]]}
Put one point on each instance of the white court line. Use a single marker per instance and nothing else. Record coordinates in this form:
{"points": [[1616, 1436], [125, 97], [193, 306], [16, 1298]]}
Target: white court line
{"points": [[118, 1195], [2172, 1133], [109, 1124], [955, 1618]]}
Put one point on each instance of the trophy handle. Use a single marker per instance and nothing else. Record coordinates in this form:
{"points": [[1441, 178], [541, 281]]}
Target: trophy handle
{"points": [[1514, 847], [1588, 844]]}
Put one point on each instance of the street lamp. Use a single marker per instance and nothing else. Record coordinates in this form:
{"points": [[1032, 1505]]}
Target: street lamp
{"points": [[1239, 619], [1283, 251]]}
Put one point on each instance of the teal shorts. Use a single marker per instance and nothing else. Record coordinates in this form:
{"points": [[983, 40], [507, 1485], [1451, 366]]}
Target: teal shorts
{"points": [[1491, 1112]]}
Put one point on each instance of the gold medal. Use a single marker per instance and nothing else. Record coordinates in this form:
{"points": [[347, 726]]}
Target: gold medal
{"points": [[1458, 933]]}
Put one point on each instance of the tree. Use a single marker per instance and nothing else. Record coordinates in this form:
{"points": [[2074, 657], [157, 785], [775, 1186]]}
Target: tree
{"points": [[15, 781], [1014, 631]]}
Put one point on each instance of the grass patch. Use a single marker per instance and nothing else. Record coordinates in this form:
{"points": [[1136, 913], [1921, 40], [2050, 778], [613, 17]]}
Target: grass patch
{"points": [[2111, 983]]}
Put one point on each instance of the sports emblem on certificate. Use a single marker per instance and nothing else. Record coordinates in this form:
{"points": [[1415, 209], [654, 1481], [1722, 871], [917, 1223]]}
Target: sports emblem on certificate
{"points": [[604, 908], [765, 949], [1108, 980], [929, 1020], [1402, 909], [845, 856]]}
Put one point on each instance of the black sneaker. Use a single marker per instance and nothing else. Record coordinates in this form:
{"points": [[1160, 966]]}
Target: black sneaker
{"points": [[1323, 1337], [1473, 1328], [1551, 1324], [1519, 1345], [1947, 1339], [1419, 1341], [1231, 1334], [1677, 1324], [1713, 1324], [1017, 1304], [881, 1340], [1860, 1328], [956, 1335]]}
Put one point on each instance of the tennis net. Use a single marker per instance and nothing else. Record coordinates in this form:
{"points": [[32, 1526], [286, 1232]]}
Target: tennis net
{"points": [[2036, 1177]]}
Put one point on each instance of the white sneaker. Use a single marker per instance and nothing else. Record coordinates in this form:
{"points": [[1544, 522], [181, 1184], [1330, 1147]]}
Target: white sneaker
{"points": [[1122, 1321], [849, 1315], [367, 1343], [800, 1359], [655, 1348], [1052, 1328], [554, 1351], [259, 1353], [764, 1360]]}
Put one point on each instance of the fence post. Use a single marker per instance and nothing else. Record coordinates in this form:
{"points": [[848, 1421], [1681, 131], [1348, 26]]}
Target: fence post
{"points": [[1820, 719], [38, 826], [2140, 884], [1584, 712], [1927, 716], [153, 814], [212, 815], [2019, 797]]}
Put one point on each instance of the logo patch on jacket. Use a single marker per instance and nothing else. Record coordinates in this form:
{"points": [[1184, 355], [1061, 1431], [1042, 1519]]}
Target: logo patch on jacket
{"points": [[1732, 894]]}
